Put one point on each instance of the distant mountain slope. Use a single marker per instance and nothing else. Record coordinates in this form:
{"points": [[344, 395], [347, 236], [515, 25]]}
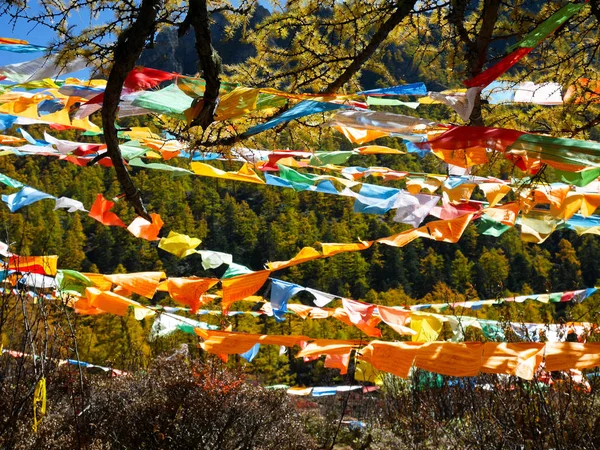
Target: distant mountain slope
{"points": [[178, 55]]}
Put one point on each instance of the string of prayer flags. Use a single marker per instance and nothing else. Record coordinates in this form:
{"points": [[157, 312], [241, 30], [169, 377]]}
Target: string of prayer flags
{"points": [[468, 146], [525, 45], [74, 362]]}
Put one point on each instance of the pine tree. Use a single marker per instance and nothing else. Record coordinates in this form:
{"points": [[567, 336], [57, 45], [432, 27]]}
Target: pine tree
{"points": [[491, 273], [460, 272], [72, 253], [566, 272]]}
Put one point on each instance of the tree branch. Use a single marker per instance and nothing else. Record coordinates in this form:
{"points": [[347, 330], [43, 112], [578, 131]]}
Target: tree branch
{"points": [[208, 60], [403, 8], [127, 51]]}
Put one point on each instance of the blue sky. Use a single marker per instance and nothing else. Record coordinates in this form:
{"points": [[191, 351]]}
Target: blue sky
{"points": [[38, 35], [35, 34]]}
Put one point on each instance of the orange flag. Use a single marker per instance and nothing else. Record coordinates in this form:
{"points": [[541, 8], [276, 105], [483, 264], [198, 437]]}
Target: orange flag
{"points": [[494, 192], [334, 249], [188, 291], [396, 319], [304, 255], [100, 211], [392, 357], [521, 359], [404, 238], [45, 265], [589, 204], [360, 136], [142, 283], [459, 194], [505, 214], [99, 281], [328, 347], [361, 315], [448, 230], [338, 362], [230, 343], [305, 311], [572, 355], [82, 306], [242, 286], [141, 228], [115, 304], [449, 358]]}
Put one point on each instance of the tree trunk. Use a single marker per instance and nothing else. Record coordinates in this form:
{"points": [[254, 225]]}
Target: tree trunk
{"points": [[127, 51], [208, 60], [476, 49]]}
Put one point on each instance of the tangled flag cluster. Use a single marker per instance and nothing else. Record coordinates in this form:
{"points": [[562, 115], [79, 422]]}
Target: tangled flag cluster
{"points": [[95, 294], [36, 96]]}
